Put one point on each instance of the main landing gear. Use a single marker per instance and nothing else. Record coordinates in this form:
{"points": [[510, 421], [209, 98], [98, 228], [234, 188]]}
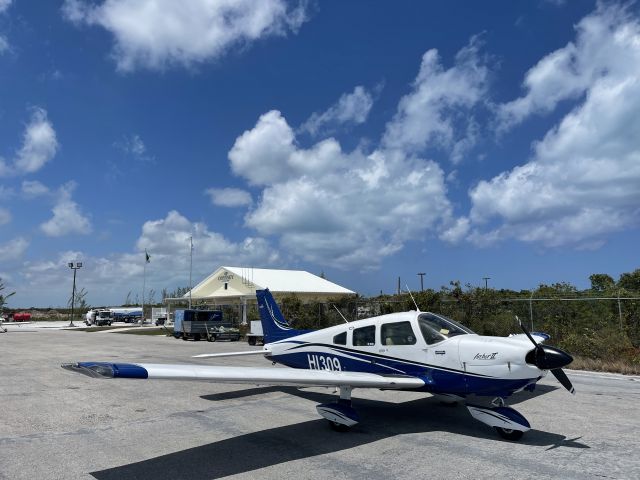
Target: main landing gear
{"points": [[340, 414], [509, 424]]}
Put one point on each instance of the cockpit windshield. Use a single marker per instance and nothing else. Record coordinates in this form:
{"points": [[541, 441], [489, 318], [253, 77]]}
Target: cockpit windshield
{"points": [[436, 328]]}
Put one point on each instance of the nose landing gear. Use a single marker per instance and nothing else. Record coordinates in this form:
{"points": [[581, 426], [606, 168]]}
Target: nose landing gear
{"points": [[509, 423]]}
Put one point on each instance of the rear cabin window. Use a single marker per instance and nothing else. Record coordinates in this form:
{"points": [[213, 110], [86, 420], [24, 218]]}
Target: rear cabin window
{"points": [[364, 336], [340, 339], [397, 333]]}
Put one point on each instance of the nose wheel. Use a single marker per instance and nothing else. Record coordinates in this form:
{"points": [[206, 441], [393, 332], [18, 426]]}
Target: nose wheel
{"points": [[509, 434], [509, 424]]}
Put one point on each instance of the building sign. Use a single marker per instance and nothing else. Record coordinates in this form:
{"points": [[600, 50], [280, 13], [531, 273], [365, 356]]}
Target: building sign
{"points": [[225, 277]]}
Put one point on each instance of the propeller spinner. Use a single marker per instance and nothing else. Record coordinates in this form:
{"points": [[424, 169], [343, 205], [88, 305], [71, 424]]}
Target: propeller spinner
{"points": [[550, 358]]}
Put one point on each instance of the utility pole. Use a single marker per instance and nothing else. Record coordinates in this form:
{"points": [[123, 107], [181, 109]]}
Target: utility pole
{"points": [[421, 275], [486, 280], [73, 266]]}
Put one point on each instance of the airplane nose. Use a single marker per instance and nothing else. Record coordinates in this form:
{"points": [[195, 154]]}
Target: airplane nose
{"points": [[546, 357]]}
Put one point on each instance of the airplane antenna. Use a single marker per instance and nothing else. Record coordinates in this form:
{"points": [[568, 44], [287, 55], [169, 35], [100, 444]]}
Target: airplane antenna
{"points": [[339, 313], [414, 300]]}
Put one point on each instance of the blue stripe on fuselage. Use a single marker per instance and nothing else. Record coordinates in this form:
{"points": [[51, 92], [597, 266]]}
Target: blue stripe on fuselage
{"points": [[437, 379]]}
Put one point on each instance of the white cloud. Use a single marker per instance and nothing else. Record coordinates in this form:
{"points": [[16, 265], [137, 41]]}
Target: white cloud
{"points": [[133, 146], [334, 208], [6, 192], [5, 216], [457, 231], [229, 197], [13, 249], [354, 209], [167, 242], [440, 105], [39, 146], [155, 34], [267, 153], [583, 180], [34, 188], [4, 44], [351, 109], [67, 216], [605, 47]]}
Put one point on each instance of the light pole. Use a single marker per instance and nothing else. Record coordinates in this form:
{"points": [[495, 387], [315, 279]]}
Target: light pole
{"points": [[421, 275], [486, 280], [73, 266]]}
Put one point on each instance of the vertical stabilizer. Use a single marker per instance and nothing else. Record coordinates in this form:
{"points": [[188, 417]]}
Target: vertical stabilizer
{"points": [[274, 325]]}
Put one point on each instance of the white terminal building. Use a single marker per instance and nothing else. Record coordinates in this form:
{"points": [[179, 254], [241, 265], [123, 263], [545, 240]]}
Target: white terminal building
{"points": [[238, 285]]}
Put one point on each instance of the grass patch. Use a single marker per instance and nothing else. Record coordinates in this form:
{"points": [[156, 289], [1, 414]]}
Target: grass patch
{"points": [[599, 365], [149, 331]]}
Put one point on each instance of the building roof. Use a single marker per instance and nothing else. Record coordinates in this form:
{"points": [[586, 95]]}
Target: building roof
{"points": [[288, 280], [244, 281]]}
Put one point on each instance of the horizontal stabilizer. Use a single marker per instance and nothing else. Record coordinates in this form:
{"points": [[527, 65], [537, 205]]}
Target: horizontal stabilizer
{"points": [[539, 337]]}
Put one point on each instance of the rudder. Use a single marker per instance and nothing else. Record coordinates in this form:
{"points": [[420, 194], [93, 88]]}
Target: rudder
{"points": [[274, 325]]}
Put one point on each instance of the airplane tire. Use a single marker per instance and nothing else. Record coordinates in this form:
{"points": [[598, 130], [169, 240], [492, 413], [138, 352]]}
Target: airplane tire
{"points": [[509, 434], [252, 340], [339, 427]]}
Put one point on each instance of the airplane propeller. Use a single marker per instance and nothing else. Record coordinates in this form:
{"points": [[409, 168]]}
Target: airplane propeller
{"points": [[546, 357]]}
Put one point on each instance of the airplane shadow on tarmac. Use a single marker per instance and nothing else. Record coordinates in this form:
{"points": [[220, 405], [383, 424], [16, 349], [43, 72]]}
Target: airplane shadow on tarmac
{"points": [[309, 439]]}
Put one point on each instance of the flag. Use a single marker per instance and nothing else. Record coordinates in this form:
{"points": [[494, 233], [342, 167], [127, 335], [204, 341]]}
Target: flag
{"points": [[147, 256]]}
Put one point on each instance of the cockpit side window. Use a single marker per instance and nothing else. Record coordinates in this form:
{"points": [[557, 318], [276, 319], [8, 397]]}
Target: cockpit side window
{"points": [[364, 336], [429, 332], [444, 325], [340, 339], [397, 333]]}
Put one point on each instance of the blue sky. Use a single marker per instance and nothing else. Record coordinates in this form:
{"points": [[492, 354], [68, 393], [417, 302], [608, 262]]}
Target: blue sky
{"points": [[363, 139]]}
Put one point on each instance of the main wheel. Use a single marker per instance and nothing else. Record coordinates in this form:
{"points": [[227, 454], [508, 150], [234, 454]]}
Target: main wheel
{"points": [[339, 427], [509, 434], [252, 340]]}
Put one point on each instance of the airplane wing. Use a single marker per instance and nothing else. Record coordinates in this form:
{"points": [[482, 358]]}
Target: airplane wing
{"points": [[250, 375]]}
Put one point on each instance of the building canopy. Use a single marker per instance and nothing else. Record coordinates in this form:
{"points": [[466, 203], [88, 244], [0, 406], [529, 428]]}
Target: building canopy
{"points": [[240, 283]]}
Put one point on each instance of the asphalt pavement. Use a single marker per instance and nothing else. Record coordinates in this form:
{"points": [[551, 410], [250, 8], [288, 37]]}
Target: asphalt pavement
{"points": [[55, 424]]}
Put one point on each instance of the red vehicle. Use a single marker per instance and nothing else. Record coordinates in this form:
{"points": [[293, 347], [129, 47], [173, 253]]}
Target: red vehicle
{"points": [[20, 317]]}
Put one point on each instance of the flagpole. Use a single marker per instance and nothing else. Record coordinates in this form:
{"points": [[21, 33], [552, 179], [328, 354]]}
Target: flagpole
{"points": [[190, 267], [144, 281]]}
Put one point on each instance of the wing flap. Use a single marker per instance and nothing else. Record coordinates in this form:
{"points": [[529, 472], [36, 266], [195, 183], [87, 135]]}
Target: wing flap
{"points": [[245, 375], [233, 354]]}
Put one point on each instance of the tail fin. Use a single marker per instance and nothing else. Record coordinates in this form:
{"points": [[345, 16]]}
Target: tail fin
{"points": [[274, 325]]}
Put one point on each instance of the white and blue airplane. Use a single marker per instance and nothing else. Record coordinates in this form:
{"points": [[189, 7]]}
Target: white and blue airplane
{"points": [[416, 351]]}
